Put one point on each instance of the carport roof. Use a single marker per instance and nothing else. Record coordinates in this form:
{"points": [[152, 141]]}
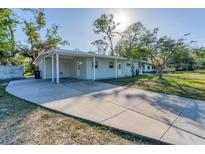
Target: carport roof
{"points": [[76, 54]]}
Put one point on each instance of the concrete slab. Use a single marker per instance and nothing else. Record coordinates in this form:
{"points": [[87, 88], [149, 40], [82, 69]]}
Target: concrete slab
{"points": [[58, 94], [89, 86], [122, 96], [163, 108], [177, 136], [136, 123], [41, 92], [86, 107], [192, 119]]}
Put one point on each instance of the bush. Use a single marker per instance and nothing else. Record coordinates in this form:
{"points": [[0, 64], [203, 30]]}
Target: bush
{"points": [[29, 68]]}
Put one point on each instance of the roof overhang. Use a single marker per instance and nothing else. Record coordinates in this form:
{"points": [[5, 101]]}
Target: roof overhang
{"points": [[76, 54]]}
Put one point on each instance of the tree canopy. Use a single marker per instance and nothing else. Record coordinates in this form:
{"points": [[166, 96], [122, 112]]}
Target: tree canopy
{"points": [[130, 42], [8, 23], [106, 25], [37, 44], [138, 43], [160, 50], [13, 52], [101, 46]]}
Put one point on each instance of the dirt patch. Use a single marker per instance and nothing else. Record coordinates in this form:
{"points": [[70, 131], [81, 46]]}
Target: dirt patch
{"points": [[150, 83]]}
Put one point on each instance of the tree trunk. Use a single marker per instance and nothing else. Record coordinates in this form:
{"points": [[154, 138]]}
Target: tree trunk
{"points": [[12, 39], [32, 50], [160, 75], [132, 69], [160, 72], [111, 46]]}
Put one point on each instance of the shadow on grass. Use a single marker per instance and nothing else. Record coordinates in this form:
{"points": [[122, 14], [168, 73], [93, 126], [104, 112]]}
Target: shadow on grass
{"points": [[167, 85]]}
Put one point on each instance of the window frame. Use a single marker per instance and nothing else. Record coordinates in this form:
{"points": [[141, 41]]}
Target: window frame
{"points": [[111, 65], [96, 64]]}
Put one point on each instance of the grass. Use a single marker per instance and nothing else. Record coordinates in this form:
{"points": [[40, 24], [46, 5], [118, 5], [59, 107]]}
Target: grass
{"points": [[29, 74], [186, 84], [22, 122]]}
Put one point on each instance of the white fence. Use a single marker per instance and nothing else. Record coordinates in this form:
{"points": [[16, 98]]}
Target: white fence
{"points": [[11, 72]]}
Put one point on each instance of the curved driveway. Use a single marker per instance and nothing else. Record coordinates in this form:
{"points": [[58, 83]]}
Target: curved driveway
{"points": [[171, 119]]}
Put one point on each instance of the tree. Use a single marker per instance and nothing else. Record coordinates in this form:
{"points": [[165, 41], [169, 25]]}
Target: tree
{"points": [[33, 39], [183, 59], [199, 57], [129, 44], [160, 49], [130, 40], [8, 23], [37, 44], [101, 46], [106, 25], [52, 40]]}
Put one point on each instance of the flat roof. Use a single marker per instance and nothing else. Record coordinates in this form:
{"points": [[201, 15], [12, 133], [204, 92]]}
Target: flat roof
{"points": [[76, 54]]}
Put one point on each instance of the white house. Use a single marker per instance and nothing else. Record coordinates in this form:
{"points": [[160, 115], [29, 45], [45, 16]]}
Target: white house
{"points": [[58, 63], [144, 67], [148, 68]]}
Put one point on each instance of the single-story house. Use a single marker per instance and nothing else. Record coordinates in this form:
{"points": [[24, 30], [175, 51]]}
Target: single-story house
{"points": [[144, 67], [148, 68], [59, 63]]}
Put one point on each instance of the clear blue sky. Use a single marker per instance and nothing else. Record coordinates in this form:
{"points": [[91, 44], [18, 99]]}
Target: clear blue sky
{"points": [[76, 24]]}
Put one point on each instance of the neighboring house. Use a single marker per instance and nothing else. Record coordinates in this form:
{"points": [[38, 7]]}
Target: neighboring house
{"points": [[144, 67], [148, 68]]}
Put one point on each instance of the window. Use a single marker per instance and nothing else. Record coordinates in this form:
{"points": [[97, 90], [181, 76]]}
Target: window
{"points": [[96, 64], [111, 65], [153, 67], [128, 64], [148, 67], [119, 66]]}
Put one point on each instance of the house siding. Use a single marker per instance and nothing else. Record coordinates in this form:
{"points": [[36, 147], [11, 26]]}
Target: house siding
{"points": [[103, 70]]}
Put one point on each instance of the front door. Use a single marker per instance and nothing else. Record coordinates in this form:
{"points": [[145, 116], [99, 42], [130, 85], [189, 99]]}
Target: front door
{"points": [[119, 69], [78, 70]]}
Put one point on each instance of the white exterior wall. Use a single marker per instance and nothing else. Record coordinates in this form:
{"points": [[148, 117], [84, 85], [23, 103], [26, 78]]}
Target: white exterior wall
{"points": [[63, 68], [146, 70], [104, 71], [83, 70], [67, 67]]}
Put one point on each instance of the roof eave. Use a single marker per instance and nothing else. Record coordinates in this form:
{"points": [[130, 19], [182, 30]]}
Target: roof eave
{"points": [[72, 53]]}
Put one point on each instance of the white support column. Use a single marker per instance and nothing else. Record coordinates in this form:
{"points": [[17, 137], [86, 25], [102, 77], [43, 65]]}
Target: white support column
{"points": [[57, 68], [44, 68], [116, 69], [93, 68], [52, 67]]}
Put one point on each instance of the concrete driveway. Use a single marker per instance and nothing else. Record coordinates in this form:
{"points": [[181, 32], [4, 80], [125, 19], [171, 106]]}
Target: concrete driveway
{"points": [[167, 118]]}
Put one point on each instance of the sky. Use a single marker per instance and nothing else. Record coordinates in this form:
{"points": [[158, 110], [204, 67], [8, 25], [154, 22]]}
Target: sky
{"points": [[76, 24]]}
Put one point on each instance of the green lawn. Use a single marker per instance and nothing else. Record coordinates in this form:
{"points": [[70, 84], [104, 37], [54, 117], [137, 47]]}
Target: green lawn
{"points": [[186, 84], [22, 122]]}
